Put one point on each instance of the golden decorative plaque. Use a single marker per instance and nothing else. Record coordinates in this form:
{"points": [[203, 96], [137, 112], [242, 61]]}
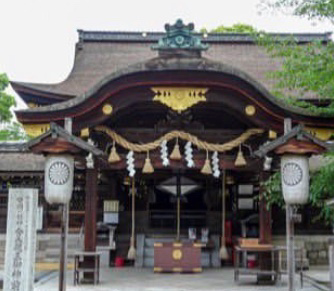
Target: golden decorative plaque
{"points": [[34, 130], [179, 98], [320, 133], [177, 255]]}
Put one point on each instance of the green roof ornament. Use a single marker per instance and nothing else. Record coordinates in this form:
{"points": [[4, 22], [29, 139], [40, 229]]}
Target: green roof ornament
{"points": [[180, 36]]}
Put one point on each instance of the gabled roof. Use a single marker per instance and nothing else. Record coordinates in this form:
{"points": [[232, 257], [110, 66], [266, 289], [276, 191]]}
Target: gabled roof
{"points": [[59, 138], [21, 162], [295, 135]]}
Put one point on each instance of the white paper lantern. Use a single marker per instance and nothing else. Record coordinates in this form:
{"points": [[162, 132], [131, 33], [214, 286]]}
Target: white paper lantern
{"points": [[58, 174], [295, 178]]}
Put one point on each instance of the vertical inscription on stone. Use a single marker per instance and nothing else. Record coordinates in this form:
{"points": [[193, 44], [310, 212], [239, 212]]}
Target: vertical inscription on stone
{"points": [[21, 239]]}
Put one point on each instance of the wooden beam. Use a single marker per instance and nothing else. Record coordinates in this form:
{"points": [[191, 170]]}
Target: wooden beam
{"points": [[149, 134]]}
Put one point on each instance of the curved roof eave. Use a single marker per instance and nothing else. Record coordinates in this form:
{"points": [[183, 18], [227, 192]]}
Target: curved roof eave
{"points": [[40, 90], [171, 64]]}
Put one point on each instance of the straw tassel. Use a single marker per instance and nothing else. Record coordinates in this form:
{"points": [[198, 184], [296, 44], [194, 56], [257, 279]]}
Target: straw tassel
{"points": [[148, 168], [223, 254], [206, 170], [132, 249], [176, 155], [240, 160], [114, 157]]}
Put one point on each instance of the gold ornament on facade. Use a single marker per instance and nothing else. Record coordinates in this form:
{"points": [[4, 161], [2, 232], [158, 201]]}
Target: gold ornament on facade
{"points": [[84, 132], [250, 110], [177, 255], [272, 134], [179, 99], [148, 167], [107, 109], [32, 105], [34, 130], [320, 133]]}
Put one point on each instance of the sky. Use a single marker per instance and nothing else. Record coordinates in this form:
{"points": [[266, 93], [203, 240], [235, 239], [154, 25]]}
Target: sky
{"points": [[38, 36]]}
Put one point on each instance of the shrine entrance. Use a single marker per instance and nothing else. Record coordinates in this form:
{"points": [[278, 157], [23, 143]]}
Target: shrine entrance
{"points": [[163, 205]]}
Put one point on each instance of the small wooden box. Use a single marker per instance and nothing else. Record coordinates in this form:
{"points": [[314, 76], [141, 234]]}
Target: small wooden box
{"points": [[177, 257]]}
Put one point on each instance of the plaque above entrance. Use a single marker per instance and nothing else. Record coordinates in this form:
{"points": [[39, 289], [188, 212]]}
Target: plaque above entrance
{"points": [[179, 98]]}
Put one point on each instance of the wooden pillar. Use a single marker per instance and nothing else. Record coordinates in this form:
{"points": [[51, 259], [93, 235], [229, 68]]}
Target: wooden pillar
{"points": [[90, 220], [264, 214], [90, 210], [265, 231]]}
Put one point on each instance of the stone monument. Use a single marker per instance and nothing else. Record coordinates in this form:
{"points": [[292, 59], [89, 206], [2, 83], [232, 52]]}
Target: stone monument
{"points": [[21, 239]]}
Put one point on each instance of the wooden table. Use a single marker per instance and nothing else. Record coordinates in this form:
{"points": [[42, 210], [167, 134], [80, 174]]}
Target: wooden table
{"points": [[79, 266], [183, 257], [240, 267]]}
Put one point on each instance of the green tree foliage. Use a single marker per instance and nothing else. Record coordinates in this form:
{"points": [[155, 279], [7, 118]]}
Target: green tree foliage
{"points": [[307, 68], [12, 130], [273, 191], [313, 9], [321, 189], [6, 100], [235, 28]]}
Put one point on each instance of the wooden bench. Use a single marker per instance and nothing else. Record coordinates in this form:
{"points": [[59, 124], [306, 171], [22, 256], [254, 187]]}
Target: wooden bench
{"points": [[79, 266], [253, 246]]}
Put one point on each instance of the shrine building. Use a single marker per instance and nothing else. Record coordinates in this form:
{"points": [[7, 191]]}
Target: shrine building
{"points": [[174, 118]]}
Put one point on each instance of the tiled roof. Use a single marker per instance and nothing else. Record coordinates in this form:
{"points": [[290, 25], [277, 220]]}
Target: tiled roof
{"points": [[21, 162], [114, 36], [99, 54]]}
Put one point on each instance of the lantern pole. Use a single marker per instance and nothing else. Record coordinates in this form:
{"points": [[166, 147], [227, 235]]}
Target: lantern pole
{"points": [[289, 229], [63, 251], [64, 229]]}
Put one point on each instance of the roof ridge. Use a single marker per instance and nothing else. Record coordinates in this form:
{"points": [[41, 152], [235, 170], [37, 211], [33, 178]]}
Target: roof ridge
{"points": [[153, 36]]}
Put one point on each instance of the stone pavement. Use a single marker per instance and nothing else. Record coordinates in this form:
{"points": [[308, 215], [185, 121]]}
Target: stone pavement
{"points": [[141, 279]]}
